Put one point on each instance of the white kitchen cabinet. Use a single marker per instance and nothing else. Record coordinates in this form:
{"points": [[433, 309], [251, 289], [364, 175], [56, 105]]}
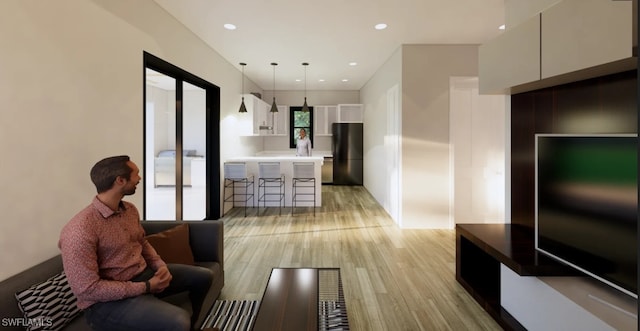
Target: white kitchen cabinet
{"points": [[259, 121], [249, 123], [570, 41], [350, 113], [323, 117], [260, 113], [280, 121], [580, 34], [267, 123], [511, 59]]}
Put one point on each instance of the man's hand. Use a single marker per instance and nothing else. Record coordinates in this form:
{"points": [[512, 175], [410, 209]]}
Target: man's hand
{"points": [[160, 280]]}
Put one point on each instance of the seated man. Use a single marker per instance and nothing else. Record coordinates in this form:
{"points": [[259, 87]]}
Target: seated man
{"points": [[114, 272]]}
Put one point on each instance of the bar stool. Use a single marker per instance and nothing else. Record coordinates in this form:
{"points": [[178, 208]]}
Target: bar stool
{"points": [[235, 177], [271, 182], [303, 180]]}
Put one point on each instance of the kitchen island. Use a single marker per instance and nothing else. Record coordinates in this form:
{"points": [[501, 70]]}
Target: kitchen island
{"points": [[286, 168]]}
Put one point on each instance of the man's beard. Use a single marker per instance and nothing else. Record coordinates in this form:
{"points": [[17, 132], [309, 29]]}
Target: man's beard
{"points": [[130, 191]]}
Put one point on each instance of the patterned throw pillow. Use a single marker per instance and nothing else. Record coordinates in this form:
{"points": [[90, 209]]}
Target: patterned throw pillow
{"points": [[49, 305]]}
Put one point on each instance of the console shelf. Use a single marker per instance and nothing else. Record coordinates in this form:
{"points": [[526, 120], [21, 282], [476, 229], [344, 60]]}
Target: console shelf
{"points": [[481, 248]]}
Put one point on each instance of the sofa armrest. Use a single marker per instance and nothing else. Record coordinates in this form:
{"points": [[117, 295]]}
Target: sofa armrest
{"points": [[205, 237]]}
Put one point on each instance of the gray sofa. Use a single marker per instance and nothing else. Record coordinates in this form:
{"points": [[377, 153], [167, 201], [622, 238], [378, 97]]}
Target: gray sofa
{"points": [[205, 239]]}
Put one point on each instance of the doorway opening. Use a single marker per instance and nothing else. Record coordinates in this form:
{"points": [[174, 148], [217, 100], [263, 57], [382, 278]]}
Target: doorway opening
{"points": [[181, 144]]}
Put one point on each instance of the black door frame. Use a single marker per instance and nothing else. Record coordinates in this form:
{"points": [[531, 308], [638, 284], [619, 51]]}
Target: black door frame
{"points": [[212, 104]]}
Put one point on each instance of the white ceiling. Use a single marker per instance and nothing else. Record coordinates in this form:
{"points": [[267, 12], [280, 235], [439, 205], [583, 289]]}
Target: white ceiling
{"points": [[329, 34]]}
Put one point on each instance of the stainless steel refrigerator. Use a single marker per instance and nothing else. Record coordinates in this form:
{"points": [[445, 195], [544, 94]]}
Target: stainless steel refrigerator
{"points": [[347, 151]]}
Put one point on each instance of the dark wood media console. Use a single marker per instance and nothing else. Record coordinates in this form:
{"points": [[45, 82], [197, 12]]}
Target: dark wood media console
{"points": [[481, 248]]}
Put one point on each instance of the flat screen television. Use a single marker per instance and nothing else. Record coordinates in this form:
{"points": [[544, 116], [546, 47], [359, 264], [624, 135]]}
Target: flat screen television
{"points": [[587, 205]]}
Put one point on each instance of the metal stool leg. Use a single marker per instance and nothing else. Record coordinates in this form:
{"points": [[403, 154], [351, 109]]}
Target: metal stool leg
{"points": [[267, 190], [303, 180], [270, 184], [236, 177], [300, 189]]}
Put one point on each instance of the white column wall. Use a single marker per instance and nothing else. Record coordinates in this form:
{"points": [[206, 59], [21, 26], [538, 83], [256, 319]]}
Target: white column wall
{"points": [[426, 168], [374, 95], [478, 152]]}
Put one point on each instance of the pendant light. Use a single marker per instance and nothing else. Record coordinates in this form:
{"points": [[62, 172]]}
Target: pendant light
{"points": [[305, 107], [274, 107], [243, 108]]}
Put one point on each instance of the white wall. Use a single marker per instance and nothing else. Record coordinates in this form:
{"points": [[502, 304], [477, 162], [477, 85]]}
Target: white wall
{"points": [[315, 97], [71, 93], [377, 177], [159, 98], [165, 125], [193, 115], [422, 73], [426, 168], [518, 11], [478, 140]]}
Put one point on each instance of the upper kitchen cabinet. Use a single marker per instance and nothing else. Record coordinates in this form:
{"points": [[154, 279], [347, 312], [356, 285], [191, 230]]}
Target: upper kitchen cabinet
{"points": [[511, 59], [582, 34], [272, 124], [279, 121], [350, 113], [323, 117], [249, 123]]}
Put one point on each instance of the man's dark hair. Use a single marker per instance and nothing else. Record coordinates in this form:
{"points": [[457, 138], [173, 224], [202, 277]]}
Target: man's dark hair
{"points": [[105, 172]]}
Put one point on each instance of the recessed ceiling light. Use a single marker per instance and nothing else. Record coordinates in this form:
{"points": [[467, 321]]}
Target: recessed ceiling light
{"points": [[298, 80], [321, 80], [345, 80], [381, 26], [353, 63], [229, 26], [502, 27]]}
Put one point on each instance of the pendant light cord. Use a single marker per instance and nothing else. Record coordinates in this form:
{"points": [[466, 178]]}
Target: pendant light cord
{"points": [[274, 107], [274, 80], [305, 107], [243, 108]]}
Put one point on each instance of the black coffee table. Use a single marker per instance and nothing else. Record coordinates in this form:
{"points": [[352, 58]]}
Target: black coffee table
{"points": [[299, 299]]}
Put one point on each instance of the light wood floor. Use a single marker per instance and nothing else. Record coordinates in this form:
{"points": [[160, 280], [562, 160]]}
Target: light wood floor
{"points": [[393, 279]]}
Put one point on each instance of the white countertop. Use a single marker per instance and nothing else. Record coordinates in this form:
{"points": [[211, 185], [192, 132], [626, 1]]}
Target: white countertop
{"points": [[293, 153], [289, 158]]}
